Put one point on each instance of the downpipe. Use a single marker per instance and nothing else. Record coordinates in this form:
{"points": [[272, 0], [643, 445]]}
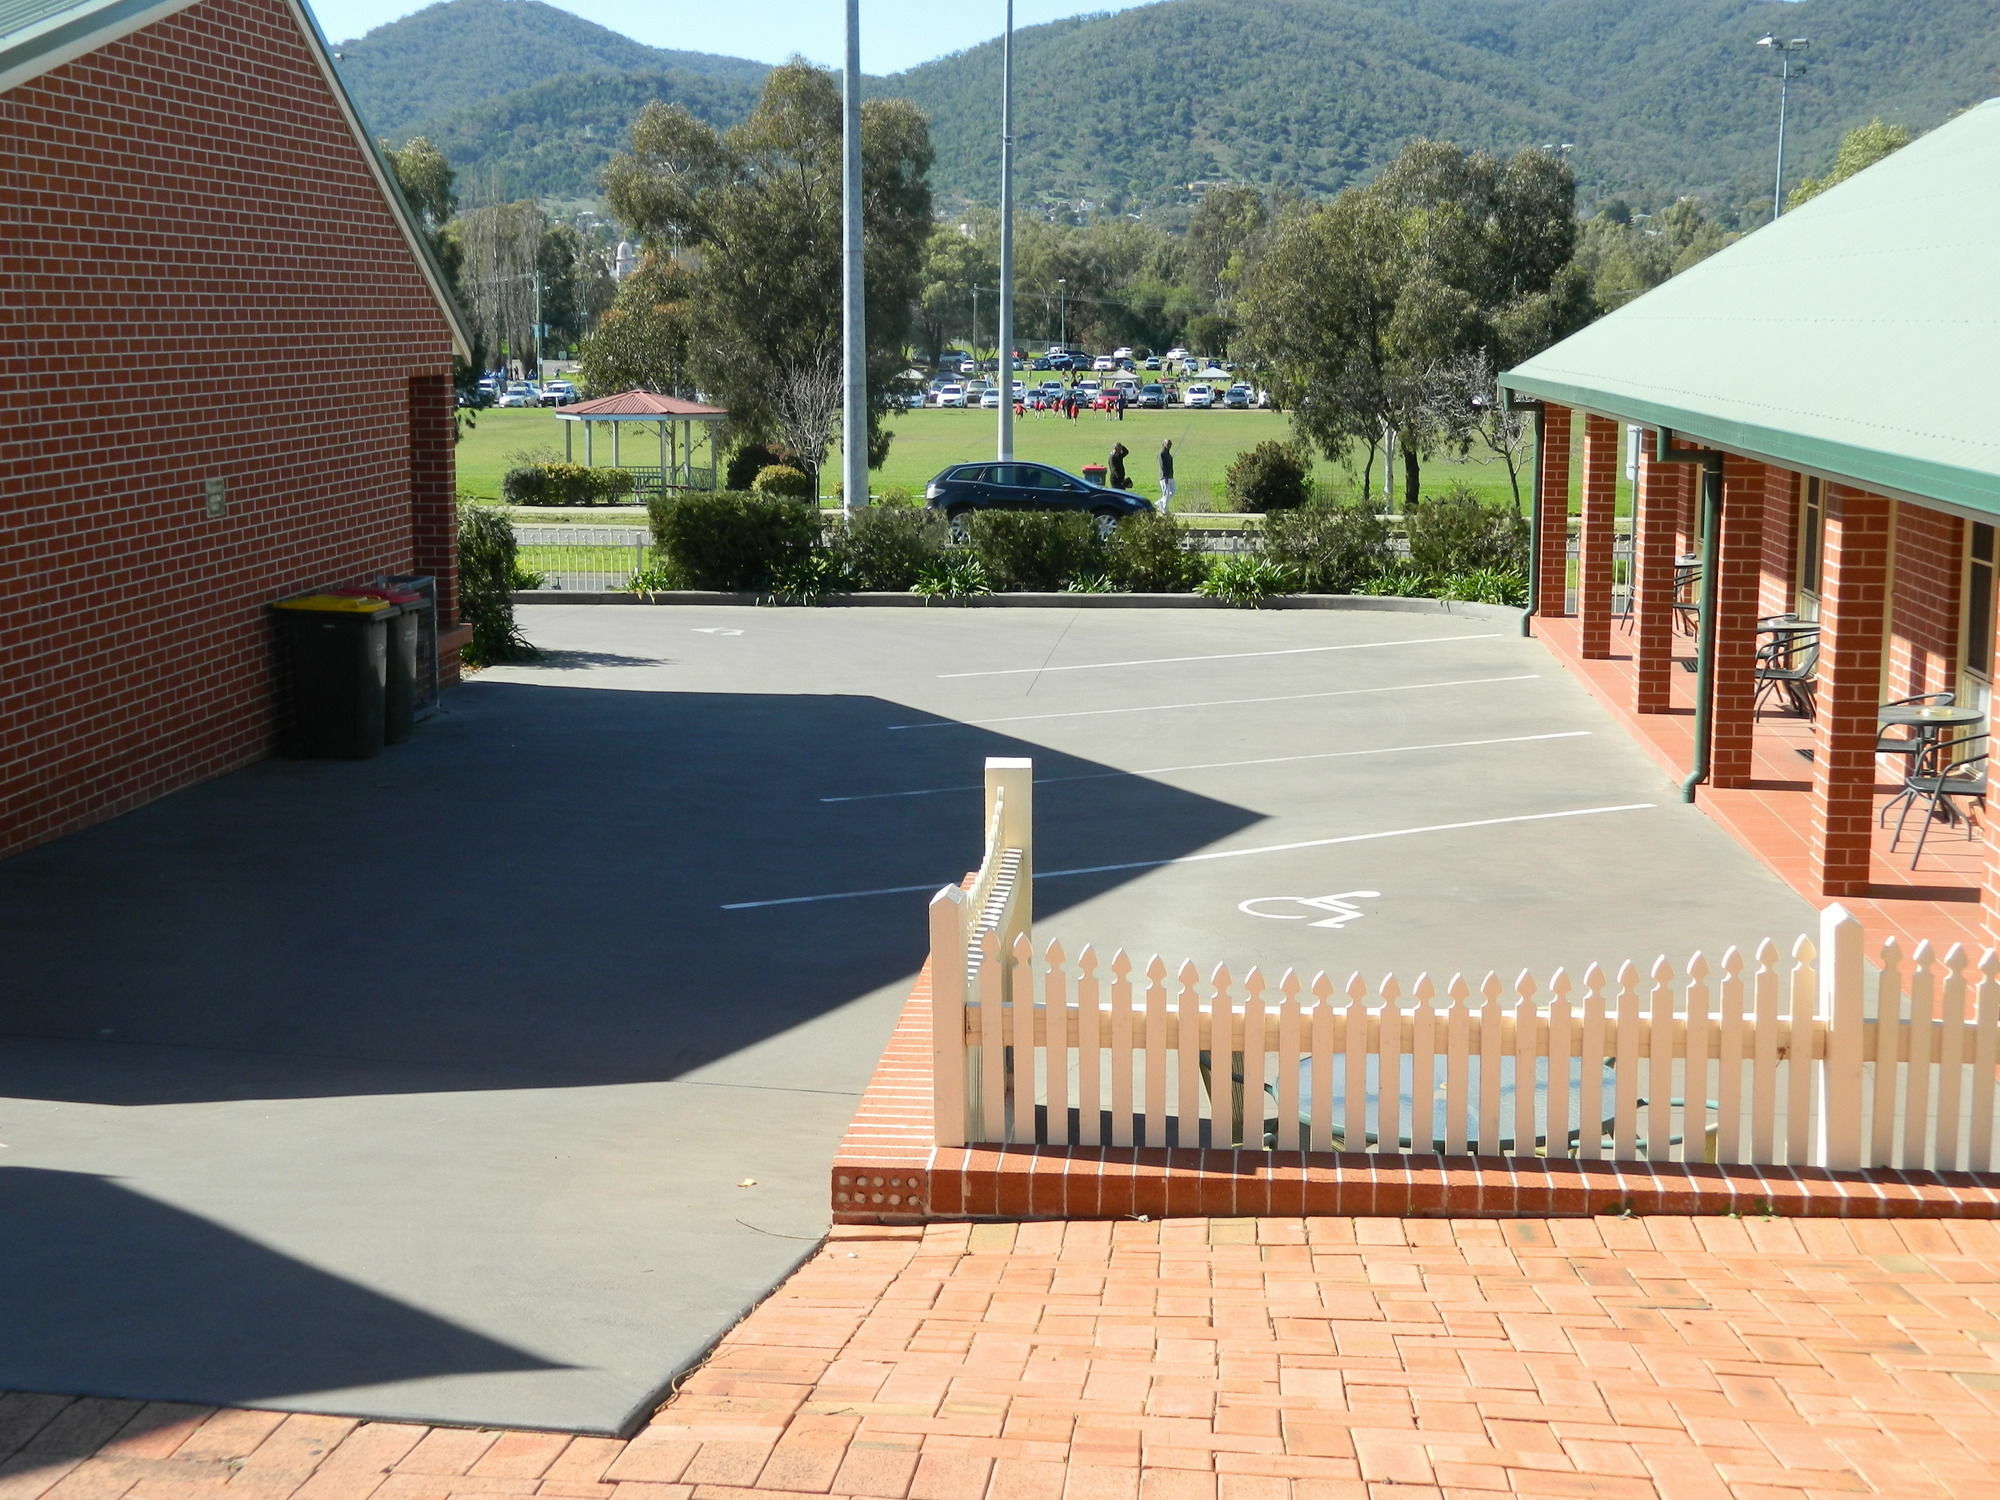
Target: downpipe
{"points": [[1535, 526], [1665, 452]]}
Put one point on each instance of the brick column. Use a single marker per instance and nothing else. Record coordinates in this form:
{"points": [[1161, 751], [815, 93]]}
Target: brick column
{"points": [[1656, 513], [434, 488], [1602, 451], [1739, 563], [1552, 546], [1853, 608]]}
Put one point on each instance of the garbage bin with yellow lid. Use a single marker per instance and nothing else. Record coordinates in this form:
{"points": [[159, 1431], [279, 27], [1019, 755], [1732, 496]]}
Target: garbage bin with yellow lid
{"points": [[335, 653]]}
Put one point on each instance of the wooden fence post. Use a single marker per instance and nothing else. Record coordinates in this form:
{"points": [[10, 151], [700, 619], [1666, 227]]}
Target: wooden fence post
{"points": [[1838, 1142], [948, 1017], [1016, 779]]}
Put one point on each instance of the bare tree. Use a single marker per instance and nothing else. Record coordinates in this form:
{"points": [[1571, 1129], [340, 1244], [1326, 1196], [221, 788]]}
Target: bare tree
{"points": [[805, 401], [1462, 410]]}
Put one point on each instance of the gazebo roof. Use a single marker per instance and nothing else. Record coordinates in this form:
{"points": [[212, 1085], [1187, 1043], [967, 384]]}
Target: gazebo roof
{"points": [[1854, 336], [639, 406]]}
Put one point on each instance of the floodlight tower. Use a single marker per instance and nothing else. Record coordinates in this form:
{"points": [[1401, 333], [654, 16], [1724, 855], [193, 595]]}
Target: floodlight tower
{"points": [[854, 306], [1784, 51], [1006, 329]]}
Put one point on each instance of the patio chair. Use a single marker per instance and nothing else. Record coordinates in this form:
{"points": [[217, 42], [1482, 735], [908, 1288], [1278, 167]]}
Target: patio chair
{"points": [[1944, 772], [1785, 668], [1911, 744]]}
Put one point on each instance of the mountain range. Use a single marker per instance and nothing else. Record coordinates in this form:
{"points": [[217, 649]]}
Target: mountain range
{"points": [[1131, 111]]}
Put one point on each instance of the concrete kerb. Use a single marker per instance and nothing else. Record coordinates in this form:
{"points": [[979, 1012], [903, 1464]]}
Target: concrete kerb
{"points": [[1367, 602]]}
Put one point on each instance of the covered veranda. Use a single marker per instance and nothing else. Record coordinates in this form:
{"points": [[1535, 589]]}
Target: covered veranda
{"points": [[681, 432], [1813, 537]]}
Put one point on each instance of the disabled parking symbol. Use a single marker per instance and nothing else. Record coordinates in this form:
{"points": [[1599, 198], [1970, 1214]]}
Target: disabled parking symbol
{"points": [[1335, 911]]}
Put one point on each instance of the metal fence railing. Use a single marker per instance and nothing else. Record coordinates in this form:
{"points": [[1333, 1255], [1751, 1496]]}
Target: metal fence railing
{"points": [[582, 557]]}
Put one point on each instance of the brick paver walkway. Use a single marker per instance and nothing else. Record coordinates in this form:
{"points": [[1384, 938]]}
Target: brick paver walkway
{"points": [[1275, 1359]]}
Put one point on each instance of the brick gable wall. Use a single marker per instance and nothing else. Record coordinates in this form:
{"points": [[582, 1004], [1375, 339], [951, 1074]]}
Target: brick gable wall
{"points": [[202, 281]]}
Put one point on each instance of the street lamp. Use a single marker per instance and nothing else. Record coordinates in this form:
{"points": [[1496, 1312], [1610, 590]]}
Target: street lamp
{"points": [[1784, 51], [1062, 312], [853, 332]]}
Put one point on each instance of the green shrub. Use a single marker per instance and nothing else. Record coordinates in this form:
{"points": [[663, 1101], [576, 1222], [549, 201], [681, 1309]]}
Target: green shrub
{"points": [[887, 550], [1036, 549], [1153, 554], [1488, 586], [485, 581], [1399, 578], [747, 461], [1271, 476], [655, 578], [729, 540], [563, 484], [1245, 582], [1327, 551], [1092, 583], [521, 576], [896, 495], [1457, 532], [952, 576], [807, 580], [782, 479]]}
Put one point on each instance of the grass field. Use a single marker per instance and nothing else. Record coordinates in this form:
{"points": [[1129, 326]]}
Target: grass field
{"points": [[926, 441]]}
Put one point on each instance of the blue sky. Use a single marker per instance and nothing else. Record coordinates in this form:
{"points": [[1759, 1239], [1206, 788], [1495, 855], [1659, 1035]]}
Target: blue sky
{"points": [[895, 34]]}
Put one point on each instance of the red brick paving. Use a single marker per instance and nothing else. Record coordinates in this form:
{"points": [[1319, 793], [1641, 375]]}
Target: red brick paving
{"points": [[1227, 1359]]}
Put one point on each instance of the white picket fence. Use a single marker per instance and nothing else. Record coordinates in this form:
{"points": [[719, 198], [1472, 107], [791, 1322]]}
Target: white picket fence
{"points": [[1778, 1058]]}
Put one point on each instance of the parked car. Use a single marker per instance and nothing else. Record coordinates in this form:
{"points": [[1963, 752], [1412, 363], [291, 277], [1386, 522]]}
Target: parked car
{"points": [[968, 367], [1238, 398], [1152, 397], [1086, 390], [951, 395], [1150, 362], [1198, 396], [559, 393], [520, 393], [1123, 351], [964, 488], [1039, 362], [1104, 362], [1177, 352], [990, 399]]}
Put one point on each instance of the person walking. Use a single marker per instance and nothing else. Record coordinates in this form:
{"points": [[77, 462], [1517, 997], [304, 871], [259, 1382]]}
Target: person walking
{"points": [[1116, 467], [1166, 476]]}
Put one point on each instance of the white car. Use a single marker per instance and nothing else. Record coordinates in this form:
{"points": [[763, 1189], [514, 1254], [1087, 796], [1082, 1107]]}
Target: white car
{"points": [[1104, 362], [1020, 389], [1177, 352], [559, 393], [990, 400], [951, 395], [520, 393], [968, 367], [1122, 353], [1198, 396]]}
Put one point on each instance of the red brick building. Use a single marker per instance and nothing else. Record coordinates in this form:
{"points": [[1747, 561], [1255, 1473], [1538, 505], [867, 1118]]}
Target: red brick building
{"points": [[227, 379], [1816, 437]]}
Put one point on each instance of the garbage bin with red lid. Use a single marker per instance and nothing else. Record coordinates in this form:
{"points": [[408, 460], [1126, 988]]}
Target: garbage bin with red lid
{"points": [[1095, 473], [399, 708]]}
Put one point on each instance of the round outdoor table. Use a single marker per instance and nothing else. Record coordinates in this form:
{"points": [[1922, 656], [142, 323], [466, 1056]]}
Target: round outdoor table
{"points": [[1929, 717], [1439, 1123]]}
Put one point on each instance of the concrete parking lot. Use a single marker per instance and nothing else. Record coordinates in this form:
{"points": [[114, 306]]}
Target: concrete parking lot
{"points": [[487, 1081]]}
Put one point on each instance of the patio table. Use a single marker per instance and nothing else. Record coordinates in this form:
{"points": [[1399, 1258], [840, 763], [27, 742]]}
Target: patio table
{"points": [[1929, 719]]}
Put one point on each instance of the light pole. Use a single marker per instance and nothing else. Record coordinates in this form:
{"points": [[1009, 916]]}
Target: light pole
{"points": [[854, 306], [1062, 313], [1784, 51], [1006, 329]]}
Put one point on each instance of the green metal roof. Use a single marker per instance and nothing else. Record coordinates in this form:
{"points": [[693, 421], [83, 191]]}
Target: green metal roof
{"points": [[1854, 336]]}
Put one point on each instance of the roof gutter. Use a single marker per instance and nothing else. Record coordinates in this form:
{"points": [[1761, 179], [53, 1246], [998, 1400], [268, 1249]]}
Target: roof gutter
{"points": [[1665, 452]]}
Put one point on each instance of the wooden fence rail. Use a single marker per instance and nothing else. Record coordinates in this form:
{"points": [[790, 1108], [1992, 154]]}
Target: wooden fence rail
{"points": [[1772, 1058]]}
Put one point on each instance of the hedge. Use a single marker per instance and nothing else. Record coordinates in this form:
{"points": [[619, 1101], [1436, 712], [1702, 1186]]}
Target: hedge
{"points": [[564, 484]]}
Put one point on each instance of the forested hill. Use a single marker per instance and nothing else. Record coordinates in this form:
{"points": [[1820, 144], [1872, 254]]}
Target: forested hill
{"points": [[470, 53], [1658, 97]]}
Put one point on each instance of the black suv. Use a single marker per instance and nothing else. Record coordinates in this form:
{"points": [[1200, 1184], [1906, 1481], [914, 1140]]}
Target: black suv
{"points": [[964, 488]]}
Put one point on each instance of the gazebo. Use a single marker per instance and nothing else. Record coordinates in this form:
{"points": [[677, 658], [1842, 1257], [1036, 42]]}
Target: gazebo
{"points": [[683, 428]]}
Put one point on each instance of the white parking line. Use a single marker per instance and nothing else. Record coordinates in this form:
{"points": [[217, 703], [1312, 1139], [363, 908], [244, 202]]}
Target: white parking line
{"points": [[1226, 765], [1161, 661], [1158, 708], [1196, 859]]}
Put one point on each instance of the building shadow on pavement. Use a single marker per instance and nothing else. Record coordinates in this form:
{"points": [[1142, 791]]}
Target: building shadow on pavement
{"points": [[530, 893], [108, 1291]]}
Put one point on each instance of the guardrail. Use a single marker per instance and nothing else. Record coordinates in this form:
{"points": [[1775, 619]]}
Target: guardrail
{"points": [[1772, 1058], [582, 557]]}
